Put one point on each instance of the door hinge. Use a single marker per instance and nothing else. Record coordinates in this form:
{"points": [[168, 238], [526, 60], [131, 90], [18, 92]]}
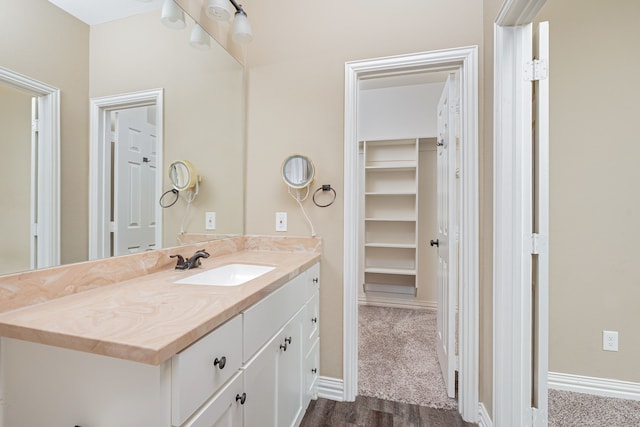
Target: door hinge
{"points": [[538, 244], [535, 70], [457, 363], [112, 226], [34, 229], [35, 125]]}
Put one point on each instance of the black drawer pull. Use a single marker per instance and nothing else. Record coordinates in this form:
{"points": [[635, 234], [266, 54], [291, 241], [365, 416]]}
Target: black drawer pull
{"points": [[220, 362], [242, 398]]}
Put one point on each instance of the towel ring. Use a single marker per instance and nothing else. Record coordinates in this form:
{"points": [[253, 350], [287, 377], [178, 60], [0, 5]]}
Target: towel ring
{"points": [[324, 188]]}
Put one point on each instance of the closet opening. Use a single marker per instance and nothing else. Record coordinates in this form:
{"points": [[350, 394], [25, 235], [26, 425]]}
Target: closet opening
{"points": [[391, 135]]}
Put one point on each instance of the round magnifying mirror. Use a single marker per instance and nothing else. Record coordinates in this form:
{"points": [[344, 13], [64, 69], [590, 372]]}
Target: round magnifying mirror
{"points": [[183, 175], [298, 171]]}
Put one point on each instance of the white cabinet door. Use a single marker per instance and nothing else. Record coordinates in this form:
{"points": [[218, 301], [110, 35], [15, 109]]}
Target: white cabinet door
{"points": [[289, 374], [260, 386]]}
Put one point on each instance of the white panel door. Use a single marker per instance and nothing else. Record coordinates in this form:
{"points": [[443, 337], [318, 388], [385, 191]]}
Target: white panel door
{"points": [[447, 244], [134, 181]]}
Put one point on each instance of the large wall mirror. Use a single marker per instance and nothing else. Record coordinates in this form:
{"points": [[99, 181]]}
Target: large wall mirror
{"points": [[202, 118]]}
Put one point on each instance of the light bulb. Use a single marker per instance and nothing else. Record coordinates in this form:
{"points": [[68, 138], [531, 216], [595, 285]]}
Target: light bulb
{"points": [[241, 32]]}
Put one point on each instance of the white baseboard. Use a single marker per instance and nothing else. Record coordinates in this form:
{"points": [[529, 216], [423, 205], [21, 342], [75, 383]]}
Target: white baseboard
{"points": [[597, 386], [331, 388], [381, 301], [485, 419]]}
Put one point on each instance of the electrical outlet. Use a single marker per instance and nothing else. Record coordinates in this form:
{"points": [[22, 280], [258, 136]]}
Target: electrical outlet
{"points": [[210, 220], [281, 221], [610, 340]]}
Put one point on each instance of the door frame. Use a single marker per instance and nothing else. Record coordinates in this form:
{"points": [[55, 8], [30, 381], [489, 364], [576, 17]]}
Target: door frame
{"points": [[100, 168], [45, 219], [465, 60], [511, 221]]}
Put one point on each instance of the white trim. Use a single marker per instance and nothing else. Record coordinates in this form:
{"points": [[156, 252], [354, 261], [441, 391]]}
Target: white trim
{"points": [[518, 12], [48, 214], [380, 301], [484, 420], [99, 171], [511, 222], [597, 386], [331, 388], [465, 60], [512, 215]]}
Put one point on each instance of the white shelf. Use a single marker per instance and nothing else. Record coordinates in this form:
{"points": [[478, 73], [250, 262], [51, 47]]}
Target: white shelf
{"points": [[390, 215], [400, 165], [391, 193], [383, 270], [391, 245], [391, 219]]}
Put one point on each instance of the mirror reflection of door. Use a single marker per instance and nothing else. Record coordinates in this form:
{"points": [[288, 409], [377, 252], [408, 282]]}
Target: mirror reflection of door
{"points": [[134, 172], [16, 251]]}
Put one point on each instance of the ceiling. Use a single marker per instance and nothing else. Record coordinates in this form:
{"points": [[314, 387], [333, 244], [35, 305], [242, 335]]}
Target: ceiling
{"points": [[95, 12]]}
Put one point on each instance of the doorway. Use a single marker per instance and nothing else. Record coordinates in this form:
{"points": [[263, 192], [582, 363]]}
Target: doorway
{"points": [[125, 182], [464, 62], [39, 175]]}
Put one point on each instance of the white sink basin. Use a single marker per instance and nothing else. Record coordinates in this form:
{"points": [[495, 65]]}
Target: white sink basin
{"points": [[227, 275]]}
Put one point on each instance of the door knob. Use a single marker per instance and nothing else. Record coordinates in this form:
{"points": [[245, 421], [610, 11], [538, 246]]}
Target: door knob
{"points": [[435, 243]]}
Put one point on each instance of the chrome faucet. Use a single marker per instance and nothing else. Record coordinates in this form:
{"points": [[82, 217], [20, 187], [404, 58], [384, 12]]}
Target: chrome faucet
{"points": [[192, 262]]}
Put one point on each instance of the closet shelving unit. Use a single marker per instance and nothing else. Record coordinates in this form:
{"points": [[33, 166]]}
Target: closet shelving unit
{"points": [[391, 215]]}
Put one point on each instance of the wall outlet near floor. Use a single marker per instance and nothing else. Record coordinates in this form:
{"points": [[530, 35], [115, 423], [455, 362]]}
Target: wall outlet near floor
{"points": [[281, 221], [210, 220], [610, 340]]}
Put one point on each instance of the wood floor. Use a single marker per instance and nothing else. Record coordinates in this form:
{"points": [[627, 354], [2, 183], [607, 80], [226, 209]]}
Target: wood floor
{"points": [[373, 412]]}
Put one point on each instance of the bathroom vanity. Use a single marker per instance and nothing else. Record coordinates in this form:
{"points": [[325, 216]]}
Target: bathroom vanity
{"points": [[151, 352]]}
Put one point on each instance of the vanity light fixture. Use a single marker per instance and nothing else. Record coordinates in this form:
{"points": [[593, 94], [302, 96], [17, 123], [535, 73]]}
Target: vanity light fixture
{"points": [[199, 38], [172, 15], [220, 10], [241, 32]]}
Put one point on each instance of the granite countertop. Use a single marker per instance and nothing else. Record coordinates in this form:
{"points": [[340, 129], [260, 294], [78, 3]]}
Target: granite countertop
{"points": [[149, 318]]}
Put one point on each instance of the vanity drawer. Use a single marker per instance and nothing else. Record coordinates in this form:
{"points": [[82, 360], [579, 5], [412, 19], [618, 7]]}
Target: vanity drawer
{"points": [[266, 317], [311, 320], [313, 280], [195, 374]]}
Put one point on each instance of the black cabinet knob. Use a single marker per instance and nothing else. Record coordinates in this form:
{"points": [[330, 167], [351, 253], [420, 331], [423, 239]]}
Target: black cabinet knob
{"points": [[287, 340], [242, 398], [314, 320], [220, 363], [314, 370], [283, 346], [315, 280], [435, 242]]}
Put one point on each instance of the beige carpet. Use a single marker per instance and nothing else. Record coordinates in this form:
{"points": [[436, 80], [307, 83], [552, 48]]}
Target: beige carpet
{"points": [[567, 409], [397, 357]]}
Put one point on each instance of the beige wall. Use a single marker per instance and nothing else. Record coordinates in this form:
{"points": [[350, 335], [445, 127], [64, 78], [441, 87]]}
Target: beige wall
{"points": [[296, 100], [42, 42], [203, 111], [491, 8], [594, 232], [15, 146]]}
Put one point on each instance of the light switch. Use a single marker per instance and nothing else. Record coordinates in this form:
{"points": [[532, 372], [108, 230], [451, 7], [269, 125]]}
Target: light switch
{"points": [[281, 221], [210, 220]]}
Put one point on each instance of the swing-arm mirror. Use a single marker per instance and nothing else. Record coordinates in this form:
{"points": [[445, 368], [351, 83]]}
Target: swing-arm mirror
{"points": [[298, 171]]}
